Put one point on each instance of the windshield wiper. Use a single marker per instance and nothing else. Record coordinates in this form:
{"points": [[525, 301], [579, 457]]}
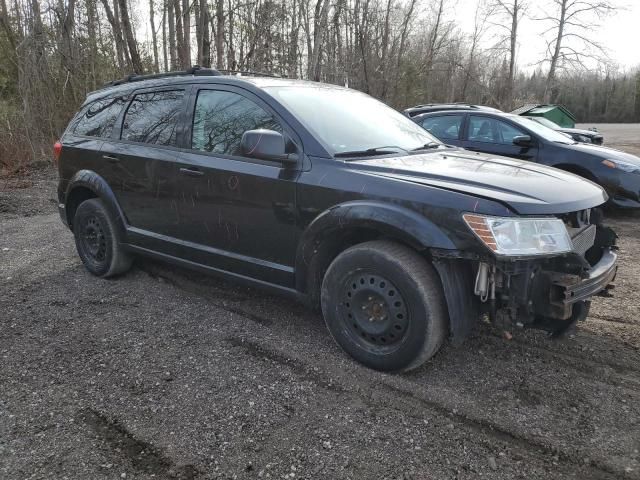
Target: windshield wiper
{"points": [[369, 152], [427, 146]]}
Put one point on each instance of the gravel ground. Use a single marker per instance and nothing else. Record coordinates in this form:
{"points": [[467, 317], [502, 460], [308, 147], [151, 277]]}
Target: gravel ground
{"points": [[167, 374]]}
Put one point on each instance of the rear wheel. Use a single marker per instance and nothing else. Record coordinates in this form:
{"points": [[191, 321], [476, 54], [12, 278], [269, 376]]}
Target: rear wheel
{"points": [[97, 240], [383, 304]]}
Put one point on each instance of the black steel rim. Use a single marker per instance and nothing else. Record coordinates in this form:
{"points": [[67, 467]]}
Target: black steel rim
{"points": [[374, 313], [93, 239]]}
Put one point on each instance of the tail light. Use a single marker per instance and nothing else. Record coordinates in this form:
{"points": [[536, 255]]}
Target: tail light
{"points": [[57, 150]]}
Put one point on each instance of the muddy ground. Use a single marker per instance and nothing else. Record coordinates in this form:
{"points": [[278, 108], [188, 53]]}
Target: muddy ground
{"points": [[168, 374]]}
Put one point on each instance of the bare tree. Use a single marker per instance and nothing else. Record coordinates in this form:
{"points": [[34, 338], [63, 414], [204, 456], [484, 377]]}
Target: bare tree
{"points": [[571, 39], [509, 13], [319, 29], [154, 36], [220, 33], [128, 33], [479, 28], [171, 21], [186, 30]]}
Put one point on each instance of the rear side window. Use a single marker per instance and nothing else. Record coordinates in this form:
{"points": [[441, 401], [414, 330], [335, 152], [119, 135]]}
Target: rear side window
{"points": [[222, 117], [97, 119], [444, 127], [153, 117]]}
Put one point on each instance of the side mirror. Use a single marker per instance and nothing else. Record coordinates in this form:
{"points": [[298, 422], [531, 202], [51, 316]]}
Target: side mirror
{"points": [[522, 141], [265, 145]]}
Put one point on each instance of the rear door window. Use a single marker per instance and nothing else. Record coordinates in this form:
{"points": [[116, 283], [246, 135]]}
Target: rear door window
{"points": [[444, 126], [97, 118], [220, 119], [153, 117]]}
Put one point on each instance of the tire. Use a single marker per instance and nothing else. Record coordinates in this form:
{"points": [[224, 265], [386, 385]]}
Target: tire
{"points": [[383, 304], [97, 240]]}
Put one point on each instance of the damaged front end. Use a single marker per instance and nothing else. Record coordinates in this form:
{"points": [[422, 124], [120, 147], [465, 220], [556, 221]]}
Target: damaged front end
{"points": [[550, 292]]}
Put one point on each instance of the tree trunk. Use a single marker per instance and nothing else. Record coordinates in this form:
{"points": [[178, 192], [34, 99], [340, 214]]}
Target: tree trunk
{"points": [[431, 53], [154, 36], [165, 40], [205, 40], [220, 34], [385, 51], [403, 42], [128, 33], [292, 61], [231, 54], [125, 50], [551, 90], [512, 53], [173, 51], [186, 30], [179, 34]]}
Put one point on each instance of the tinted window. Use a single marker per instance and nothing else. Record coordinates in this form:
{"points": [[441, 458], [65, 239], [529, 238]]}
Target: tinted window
{"points": [[153, 117], [98, 118], [444, 127], [490, 130], [221, 118], [506, 132], [481, 129]]}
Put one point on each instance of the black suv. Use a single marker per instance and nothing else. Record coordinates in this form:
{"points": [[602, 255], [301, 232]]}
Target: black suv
{"points": [[329, 195]]}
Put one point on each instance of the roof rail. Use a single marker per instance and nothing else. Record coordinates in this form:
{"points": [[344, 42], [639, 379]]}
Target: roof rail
{"points": [[195, 70], [250, 73]]}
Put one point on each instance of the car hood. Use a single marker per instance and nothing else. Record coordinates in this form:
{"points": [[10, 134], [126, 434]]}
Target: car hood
{"points": [[524, 187], [604, 152], [586, 133]]}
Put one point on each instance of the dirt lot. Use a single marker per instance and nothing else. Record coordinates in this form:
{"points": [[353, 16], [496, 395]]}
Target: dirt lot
{"points": [[167, 374]]}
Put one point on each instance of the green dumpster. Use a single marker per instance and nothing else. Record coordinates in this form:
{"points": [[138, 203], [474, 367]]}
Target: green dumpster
{"points": [[556, 113]]}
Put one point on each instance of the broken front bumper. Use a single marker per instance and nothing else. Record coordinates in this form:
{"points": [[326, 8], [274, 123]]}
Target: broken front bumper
{"points": [[565, 290]]}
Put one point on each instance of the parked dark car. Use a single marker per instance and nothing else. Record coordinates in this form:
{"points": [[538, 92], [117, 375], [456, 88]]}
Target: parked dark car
{"points": [[525, 139], [438, 107], [578, 134], [328, 195]]}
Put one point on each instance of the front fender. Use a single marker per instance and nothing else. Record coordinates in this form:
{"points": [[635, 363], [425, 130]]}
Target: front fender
{"points": [[389, 220], [89, 180]]}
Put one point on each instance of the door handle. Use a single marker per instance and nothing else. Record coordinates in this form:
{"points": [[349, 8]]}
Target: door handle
{"points": [[111, 158], [192, 172]]}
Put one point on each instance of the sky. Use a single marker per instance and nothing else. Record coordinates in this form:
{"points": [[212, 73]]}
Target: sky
{"points": [[619, 33]]}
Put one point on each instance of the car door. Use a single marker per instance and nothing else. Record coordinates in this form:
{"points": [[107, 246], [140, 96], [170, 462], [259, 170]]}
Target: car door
{"points": [[492, 135], [445, 127], [150, 128], [232, 212]]}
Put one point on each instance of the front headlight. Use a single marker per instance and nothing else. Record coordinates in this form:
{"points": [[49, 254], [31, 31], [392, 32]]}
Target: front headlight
{"points": [[622, 165], [520, 236]]}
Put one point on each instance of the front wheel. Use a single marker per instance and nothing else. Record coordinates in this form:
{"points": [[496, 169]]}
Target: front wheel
{"points": [[383, 304]]}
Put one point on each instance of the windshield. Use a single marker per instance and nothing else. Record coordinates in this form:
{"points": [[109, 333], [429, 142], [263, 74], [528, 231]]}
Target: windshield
{"points": [[350, 121], [541, 130]]}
